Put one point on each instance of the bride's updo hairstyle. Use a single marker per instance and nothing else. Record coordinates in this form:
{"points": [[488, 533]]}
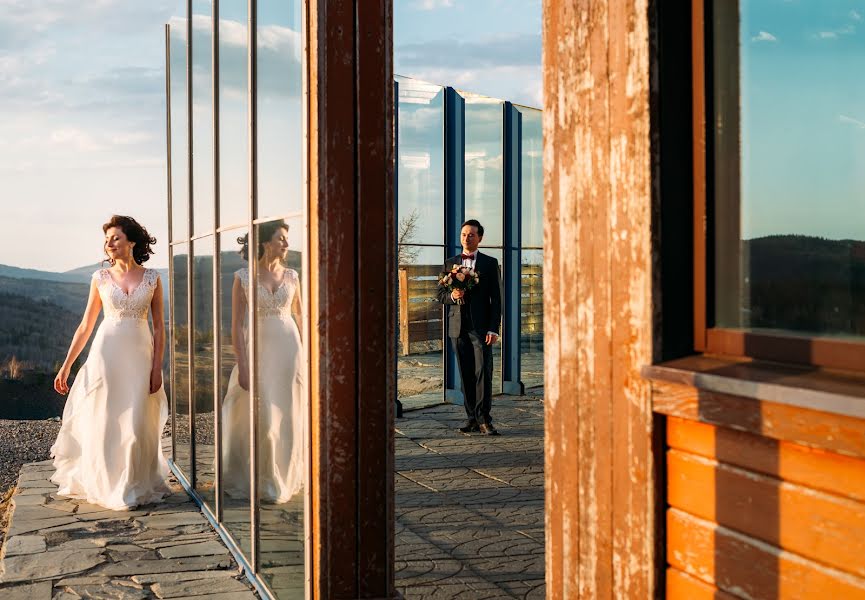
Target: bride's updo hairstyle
{"points": [[135, 232], [265, 234]]}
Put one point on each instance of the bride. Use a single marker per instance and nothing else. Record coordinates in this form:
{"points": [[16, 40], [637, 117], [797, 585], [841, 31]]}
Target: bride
{"points": [[280, 382], [108, 450]]}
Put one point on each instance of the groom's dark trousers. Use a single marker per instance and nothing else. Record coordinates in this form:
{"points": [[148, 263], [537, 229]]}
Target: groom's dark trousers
{"points": [[468, 325]]}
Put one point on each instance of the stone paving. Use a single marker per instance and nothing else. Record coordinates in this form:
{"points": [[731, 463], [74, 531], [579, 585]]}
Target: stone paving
{"points": [[63, 549], [470, 508]]}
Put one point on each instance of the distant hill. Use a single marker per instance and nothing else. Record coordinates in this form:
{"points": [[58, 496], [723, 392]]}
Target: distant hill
{"points": [[71, 296], [79, 275], [35, 331]]}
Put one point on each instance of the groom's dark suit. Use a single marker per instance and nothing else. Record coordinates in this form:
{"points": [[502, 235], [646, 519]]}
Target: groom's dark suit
{"points": [[468, 325]]}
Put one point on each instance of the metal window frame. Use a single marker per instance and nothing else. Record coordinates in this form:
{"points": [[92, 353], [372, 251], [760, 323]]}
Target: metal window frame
{"points": [[512, 252]]}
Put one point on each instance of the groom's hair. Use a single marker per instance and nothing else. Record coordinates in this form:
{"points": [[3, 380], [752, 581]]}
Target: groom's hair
{"points": [[474, 223]]}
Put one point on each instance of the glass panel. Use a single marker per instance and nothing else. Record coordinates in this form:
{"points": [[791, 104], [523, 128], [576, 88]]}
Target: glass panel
{"points": [[202, 298], [420, 379], [202, 116], [789, 168], [233, 388], [498, 254], [180, 383], [179, 145], [532, 318], [233, 114], [484, 192], [531, 168], [280, 114], [281, 378], [420, 176]]}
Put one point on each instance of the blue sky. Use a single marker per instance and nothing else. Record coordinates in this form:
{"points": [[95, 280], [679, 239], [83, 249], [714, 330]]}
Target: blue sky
{"points": [[82, 106]]}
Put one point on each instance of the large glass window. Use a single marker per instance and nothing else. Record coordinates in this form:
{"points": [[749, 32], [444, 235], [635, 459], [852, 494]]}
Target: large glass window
{"points": [[179, 136], [420, 241], [233, 114], [789, 162], [532, 263], [202, 116], [259, 498], [484, 169]]}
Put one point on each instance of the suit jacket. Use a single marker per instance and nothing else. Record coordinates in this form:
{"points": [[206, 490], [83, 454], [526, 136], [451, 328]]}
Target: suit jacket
{"points": [[483, 303]]}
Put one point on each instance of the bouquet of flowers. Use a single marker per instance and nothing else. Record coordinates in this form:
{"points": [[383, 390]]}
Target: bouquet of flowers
{"points": [[459, 278]]}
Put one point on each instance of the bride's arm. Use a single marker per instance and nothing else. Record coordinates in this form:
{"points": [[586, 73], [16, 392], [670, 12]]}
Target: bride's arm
{"points": [[79, 340], [238, 313], [297, 311], [157, 314]]}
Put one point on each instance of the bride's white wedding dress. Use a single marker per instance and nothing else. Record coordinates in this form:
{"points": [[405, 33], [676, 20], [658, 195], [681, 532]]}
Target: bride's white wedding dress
{"points": [[108, 450], [282, 414]]}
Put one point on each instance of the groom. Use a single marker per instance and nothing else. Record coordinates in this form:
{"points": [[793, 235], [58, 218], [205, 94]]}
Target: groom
{"points": [[473, 327]]}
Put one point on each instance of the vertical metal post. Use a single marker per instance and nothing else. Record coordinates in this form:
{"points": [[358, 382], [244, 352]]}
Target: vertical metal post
{"points": [[455, 208], [217, 269], [173, 398], [512, 152], [252, 300], [190, 259]]}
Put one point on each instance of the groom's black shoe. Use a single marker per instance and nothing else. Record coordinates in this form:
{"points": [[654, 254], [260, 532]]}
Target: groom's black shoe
{"points": [[488, 429], [469, 427]]}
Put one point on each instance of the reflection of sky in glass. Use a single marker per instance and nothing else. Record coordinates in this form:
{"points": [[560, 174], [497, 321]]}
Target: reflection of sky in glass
{"points": [[420, 177], [180, 221], [532, 178], [202, 116], [803, 118], [483, 167], [233, 132], [280, 132]]}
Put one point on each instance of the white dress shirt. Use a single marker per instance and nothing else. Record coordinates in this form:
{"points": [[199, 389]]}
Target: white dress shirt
{"points": [[470, 263]]}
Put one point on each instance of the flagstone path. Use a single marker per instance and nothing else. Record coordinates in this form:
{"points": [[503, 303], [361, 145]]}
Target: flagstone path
{"points": [[470, 508], [62, 549]]}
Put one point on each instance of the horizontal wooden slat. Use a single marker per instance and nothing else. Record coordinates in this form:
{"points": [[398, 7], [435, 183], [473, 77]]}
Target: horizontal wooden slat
{"points": [[422, 270], [422, 331], [681, 586], [820, 526], [811, 467], [829, 431], [746, 567], [424, 311]]}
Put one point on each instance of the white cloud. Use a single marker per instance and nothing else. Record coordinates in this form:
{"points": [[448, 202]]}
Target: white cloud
{"points": [[764, 36], [851, 121], [76, 138], [827, 35], [433, 4], [855, 15]]}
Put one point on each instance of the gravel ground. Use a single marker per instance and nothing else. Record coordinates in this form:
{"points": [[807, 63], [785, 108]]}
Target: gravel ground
{"points": [[22, 442]]}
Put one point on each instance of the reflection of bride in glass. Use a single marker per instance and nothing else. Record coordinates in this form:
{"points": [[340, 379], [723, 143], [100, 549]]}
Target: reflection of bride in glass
{"points": [[280, 383]]}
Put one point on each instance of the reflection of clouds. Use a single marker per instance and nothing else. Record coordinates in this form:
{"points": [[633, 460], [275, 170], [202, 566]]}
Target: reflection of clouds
{"points": [[764, 36], [850, 120], [414, 160]]}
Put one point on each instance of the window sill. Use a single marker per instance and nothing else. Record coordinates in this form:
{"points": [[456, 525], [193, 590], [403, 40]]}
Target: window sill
{"points": [[824, 390]]}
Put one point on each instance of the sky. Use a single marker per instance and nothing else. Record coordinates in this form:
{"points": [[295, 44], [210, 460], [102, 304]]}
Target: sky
{"points": [[82, 107]]}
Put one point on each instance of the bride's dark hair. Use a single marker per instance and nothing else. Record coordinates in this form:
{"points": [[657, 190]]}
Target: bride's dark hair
{"points": [[135, 232], [265, 233]]}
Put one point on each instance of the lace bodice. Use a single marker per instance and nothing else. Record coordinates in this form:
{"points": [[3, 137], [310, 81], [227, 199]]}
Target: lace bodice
{"points": [[278, 303], [117, 305]]}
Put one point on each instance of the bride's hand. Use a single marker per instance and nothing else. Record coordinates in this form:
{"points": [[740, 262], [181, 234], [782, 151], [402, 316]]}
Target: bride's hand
{"points": [[243, 378], [155, 380], [60, 385]]}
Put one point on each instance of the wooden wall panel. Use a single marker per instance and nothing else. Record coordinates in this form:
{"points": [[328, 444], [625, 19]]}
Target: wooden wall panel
{"points": [[810, 467], [748, 568], [837, 433], [816, 525], [681, 586], [597, 299]]}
